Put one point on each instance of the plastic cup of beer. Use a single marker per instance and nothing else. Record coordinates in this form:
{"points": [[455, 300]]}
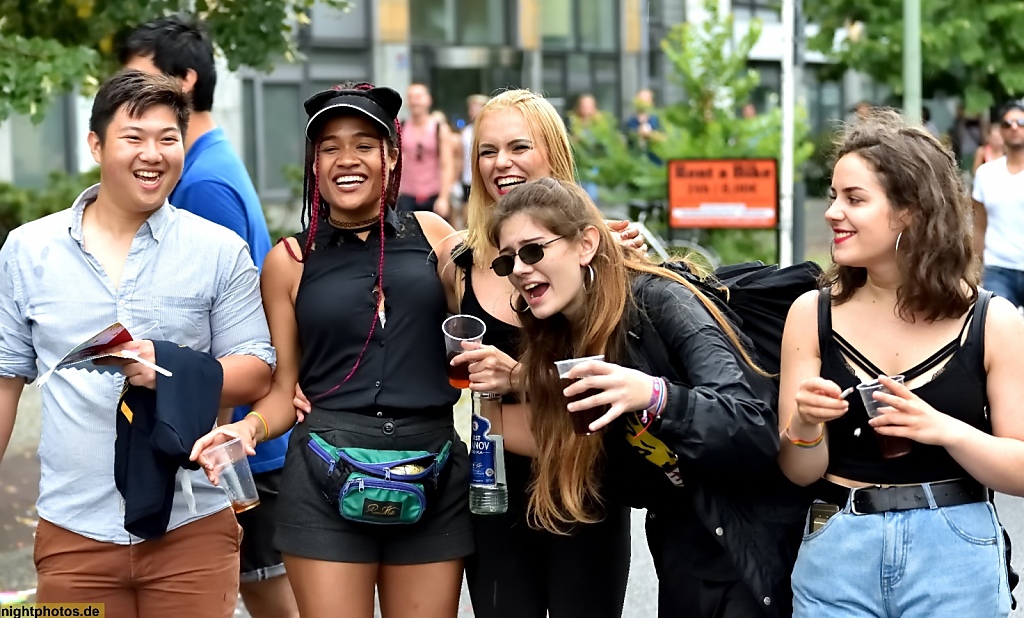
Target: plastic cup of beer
{"points": [[458, 329], [891, 446], [580, 420], [231, 469]]}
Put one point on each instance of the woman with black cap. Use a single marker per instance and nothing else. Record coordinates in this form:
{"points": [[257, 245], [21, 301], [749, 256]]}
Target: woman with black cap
{"points": [[355, 303]]}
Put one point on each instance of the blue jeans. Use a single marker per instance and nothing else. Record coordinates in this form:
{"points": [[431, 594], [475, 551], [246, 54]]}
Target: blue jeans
{"points": [[1005, 282], [922, 563]]}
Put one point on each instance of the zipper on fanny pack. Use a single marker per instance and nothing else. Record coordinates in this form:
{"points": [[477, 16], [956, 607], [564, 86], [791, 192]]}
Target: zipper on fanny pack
{"points": [[373, 483]]}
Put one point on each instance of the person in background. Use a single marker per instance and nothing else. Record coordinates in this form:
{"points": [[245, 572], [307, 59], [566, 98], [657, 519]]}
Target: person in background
{"points": [[926, 121], [999, 211], [749, 111], [643, 126], [123, 253], [427, 167], [454, 144], [582, 118], [903, 524], [474, 103], [216, 186], [991, 150]]}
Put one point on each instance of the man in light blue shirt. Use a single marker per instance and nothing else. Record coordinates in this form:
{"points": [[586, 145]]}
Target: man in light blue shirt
{"points": [[216, 186], [121, 253]]}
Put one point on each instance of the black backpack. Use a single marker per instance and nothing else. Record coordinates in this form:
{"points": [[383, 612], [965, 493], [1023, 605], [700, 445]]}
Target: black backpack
{"points": [[756, 298]]}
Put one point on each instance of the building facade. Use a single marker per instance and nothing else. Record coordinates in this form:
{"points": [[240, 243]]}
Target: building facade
{"points": [[563, 48]]}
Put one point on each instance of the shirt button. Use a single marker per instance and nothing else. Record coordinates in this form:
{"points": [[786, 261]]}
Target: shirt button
{"points": [[377, 383], [382, 344], [122, 302], [388, 428], [719, 531], [767, 601]]}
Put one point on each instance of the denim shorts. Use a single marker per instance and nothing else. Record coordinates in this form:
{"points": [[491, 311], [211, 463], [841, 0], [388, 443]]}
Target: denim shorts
{"points": [[920, 563]]}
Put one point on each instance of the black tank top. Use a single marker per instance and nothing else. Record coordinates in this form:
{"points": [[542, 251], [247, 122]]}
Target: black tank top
{"points": [[403, 367], [958, 389], [500, 334]]}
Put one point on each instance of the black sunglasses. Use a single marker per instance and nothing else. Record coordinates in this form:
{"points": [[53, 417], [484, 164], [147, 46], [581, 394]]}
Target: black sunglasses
{"points": [[529, 254], [1018, 122]]}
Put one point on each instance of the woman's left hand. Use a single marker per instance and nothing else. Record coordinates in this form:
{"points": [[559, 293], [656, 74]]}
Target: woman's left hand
{"points": [[629, 235], [623, 389], [909, 416]]}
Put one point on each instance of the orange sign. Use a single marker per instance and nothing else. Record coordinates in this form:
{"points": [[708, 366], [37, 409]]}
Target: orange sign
{"points": [[711, 193]]}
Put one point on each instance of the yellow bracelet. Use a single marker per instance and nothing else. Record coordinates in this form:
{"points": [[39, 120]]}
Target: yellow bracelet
{"points": [[266, 429]]}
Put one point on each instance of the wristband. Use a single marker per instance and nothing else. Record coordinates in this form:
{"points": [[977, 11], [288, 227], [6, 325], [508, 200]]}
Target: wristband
{"points": [[805, 443], [657, 402], [266, 429]]}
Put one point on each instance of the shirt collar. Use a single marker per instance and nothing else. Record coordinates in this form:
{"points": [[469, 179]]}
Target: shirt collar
{"points": [[156, 223], [391, 217]]}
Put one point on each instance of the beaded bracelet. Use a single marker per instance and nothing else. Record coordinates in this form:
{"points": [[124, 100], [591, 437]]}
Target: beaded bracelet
{"points": [[266, 429]]}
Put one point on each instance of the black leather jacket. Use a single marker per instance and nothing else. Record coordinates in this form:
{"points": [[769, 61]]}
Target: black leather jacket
{"points": [[720, 421]]}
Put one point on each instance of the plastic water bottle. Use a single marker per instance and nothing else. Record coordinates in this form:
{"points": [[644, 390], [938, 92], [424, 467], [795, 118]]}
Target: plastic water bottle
{"points": [[488, 494]]}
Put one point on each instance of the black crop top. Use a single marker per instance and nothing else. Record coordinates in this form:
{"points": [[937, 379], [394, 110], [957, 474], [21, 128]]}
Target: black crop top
{"points": [[958, 389], [403, 367], [501, 335]]}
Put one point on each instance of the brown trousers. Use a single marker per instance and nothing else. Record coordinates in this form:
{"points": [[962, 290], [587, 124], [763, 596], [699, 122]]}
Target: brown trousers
{"points": [[190, 571]]}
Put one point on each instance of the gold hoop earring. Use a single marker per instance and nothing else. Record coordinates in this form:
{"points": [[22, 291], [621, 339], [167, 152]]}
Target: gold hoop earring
{"points": [[593, 279], [512, 303], [898, 237]]}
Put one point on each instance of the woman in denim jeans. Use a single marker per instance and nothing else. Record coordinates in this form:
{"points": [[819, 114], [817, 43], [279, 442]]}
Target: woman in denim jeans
{"points": [[902, 527]]}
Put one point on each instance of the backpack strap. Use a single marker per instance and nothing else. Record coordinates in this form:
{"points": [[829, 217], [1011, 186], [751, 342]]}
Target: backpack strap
{"points": [[977, 338], [824, 319]]}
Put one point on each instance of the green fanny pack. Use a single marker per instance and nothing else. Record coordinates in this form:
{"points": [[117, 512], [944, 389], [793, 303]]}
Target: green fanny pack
{"points": [[376, 486]]}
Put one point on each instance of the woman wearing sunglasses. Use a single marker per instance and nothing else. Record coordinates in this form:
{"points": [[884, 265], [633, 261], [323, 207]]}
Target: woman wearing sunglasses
{"points": [[688, 433], [519, 570]]}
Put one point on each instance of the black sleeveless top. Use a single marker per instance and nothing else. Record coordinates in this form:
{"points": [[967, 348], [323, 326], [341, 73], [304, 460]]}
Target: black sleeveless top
{"points": [[500, 334], [403, 366], [958, 389]]}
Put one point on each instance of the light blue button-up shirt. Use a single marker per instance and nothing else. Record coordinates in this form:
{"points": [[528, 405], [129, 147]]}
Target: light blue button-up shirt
{"points": [[191, 278]]}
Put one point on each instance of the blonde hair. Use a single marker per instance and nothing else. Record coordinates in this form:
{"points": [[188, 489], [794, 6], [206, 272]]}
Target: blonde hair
{"points": [[546, 128]]}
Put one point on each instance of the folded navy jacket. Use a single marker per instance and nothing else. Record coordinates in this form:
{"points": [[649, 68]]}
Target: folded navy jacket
{"points": [[156, 430]]}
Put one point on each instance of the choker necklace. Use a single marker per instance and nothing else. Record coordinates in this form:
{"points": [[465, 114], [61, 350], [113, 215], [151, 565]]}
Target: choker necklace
{"points": [[353, 225]]}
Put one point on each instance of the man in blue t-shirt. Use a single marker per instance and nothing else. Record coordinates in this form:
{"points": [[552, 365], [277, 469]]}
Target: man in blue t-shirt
{"points": [[216, 186]]}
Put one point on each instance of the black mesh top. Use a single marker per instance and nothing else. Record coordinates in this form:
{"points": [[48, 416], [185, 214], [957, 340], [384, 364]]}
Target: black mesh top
{"points": [[958, 389]]}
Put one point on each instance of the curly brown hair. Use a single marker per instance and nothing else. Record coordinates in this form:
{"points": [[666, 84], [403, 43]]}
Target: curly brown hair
{"points": [[938, 267]]}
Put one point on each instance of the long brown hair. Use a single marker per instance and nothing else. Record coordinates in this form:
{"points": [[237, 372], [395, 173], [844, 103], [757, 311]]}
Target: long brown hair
{"points": [[567, 469], [920, 177]]}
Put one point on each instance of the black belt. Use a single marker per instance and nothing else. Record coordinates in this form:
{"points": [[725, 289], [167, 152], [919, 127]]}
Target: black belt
{"points": [[877, 499]]}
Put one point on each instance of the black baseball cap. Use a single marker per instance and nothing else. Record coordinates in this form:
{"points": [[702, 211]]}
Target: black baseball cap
{"points": [[379, 105]]}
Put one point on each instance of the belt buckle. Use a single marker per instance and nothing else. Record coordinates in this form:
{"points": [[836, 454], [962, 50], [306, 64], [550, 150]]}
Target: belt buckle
{"points": [[853, 498]]}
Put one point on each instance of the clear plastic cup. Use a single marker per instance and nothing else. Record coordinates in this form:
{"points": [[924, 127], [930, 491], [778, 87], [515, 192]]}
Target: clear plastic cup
{"points": [[891, 446], [580, 420], [231, 469], [457, 329]]}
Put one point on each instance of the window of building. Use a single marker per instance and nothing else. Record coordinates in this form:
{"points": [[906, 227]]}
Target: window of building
{"points": [[283, 133], [430, 21], [42, 148], [329, 24], [766, 94], [824, 100], [557, 18], [599, 25], [766, 10], [482, 22]]}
